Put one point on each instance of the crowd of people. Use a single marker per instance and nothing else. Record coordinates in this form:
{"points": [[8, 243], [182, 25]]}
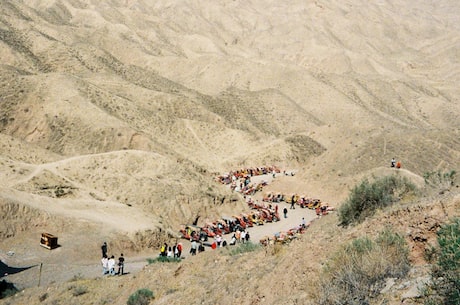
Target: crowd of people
{"points": [[240, 180], [197, 246], [109, 264], [245, 173], [174, 251]]}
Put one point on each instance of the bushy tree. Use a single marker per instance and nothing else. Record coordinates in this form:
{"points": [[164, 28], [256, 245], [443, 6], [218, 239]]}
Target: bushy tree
{"points": [[446, 271], [357, 272], [141, 297], [367, 197]]}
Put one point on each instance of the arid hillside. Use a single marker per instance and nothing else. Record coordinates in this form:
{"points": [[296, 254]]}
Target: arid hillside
{"points": [[116, 116]]}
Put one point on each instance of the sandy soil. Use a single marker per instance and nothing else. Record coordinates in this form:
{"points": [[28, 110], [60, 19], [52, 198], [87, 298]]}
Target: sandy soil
{"points": [[115, 116], [52, 266]]}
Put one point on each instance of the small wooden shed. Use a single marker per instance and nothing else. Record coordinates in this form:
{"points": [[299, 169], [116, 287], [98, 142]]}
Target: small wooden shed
{"points": [[49, 241]]}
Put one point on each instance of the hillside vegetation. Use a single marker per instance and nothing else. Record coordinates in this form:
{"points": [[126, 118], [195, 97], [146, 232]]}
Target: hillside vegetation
{"points": [[116, 117]]}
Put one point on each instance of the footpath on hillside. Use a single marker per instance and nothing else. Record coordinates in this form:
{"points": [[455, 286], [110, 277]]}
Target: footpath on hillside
{"points": [[46, 273]]}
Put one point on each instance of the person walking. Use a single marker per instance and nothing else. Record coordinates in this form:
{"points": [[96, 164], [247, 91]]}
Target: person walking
{"points": [[121, 264], [293, 202], [285, 212]]}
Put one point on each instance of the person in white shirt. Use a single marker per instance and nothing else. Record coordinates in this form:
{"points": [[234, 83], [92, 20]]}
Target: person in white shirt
{"points": [[111, 265], [233, 240], [243, 236], [219, 240], [105, 265]]}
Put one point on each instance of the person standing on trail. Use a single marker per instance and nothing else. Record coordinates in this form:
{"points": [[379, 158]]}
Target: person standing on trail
{"points": [[111, 265], [233, 240], [104, 249], [292, 202], [285, 212], [105, 265], [238, 235], [243, 236], [121, 264], [175, 251], [219, 240], [179, 250], [398, 164], [164, 249], [193, 247]]}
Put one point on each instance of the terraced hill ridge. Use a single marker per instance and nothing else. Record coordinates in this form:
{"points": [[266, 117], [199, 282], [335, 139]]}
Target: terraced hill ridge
{"points": [[116, 116]]}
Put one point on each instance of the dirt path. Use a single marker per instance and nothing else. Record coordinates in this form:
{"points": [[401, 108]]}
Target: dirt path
{"points": [[45, 270], [47, 273]]}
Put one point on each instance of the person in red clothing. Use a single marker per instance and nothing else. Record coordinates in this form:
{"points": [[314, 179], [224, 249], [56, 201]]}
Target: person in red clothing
{"points": [[398, 164]]}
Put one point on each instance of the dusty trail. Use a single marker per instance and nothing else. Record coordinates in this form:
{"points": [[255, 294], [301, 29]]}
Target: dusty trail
{"points": [[62, 270]]}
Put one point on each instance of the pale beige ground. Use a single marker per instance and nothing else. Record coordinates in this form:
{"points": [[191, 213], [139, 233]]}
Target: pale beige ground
{"points": [[116, 116], [56, 265]]}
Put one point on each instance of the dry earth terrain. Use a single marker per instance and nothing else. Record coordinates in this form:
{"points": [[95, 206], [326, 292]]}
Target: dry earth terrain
{"points": [[116, 116]]}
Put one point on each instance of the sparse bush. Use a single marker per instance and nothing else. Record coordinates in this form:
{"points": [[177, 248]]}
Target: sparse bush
{"points": [[367, 197], [357, 272], [79, 290], [437, 179], [445, 287], [243, 248], [163, 259], [430, 254], [43, 297], [141, 297], [76, 277]]}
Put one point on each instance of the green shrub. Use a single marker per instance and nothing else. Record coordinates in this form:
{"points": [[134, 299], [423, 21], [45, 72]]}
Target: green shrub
{"points": [[437, 179], [163, 259], [79, 290], [445, 288], [243, 248], [440, 181], [141, 297], [366, 198], [43, 297], [357, 272]]}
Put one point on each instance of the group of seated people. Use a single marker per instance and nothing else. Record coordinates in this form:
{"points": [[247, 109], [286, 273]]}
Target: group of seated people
{"points": [[244, 173]]}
